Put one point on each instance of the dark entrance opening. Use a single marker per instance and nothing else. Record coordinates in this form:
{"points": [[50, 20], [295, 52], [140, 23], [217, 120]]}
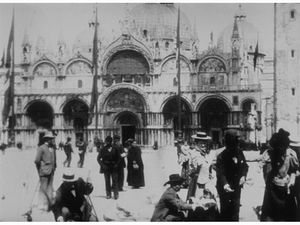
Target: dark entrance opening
{"points": [[128, 122], [41, 135], [41, 114], [214, 118], [76, 115], [128, 131]]}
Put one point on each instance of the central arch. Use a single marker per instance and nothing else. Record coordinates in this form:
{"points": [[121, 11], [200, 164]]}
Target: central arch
{"points": [[128, 122], [214, 118], [41, 114]]}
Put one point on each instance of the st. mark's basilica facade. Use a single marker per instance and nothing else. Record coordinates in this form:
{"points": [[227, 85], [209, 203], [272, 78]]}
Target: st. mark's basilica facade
{"points": [[137, 82]]}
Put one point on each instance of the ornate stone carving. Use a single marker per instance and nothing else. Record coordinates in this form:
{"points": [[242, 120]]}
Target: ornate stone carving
{"points": [[79, 67], [170, 66], [125, 99], [212, 65], [44, 69]]}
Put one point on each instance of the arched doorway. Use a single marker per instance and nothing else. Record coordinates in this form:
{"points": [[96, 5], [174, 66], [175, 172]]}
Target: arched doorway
{"points": [[214, 118], [75, 114], [41, 117], [41, 114], [128, 122], [170, 114]]}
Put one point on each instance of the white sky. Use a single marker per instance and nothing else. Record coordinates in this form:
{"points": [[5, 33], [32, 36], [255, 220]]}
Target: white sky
{"points": [[49, 19]]}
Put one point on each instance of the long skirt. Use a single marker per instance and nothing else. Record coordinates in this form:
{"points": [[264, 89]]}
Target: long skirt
{"points": [[135, 177], [278, 204]]}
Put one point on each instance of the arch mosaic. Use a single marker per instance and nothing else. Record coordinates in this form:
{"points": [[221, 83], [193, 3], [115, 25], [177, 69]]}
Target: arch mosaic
{"points": [[107, 93], [45, 68], [109, 55], [212, 64], [78, 66], [169, 65]]}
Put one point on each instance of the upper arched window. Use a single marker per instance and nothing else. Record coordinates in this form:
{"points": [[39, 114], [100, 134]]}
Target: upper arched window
{"points": [[293, 14], [79, 67], [45, 84], [44, 69], [212, 65]]}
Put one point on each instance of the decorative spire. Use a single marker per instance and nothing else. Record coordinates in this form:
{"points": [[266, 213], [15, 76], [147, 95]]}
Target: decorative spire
{"points": [[240, 13], [235, 31], [26, 39], [195, 34], [211, 40]]}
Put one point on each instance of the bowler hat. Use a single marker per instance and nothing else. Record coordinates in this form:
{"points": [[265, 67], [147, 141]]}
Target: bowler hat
{"points": [[201, 136], [130, 141], [175, 178]]}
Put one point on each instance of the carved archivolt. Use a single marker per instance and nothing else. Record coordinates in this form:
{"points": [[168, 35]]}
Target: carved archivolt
{"points": [[78, 67], [212, 65], [44, 68], [104, 98]]}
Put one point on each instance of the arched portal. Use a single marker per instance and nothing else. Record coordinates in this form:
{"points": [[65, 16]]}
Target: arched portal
{"points": [[41, 114], [214, 118], [170, 113], [124, 111], [128, 122], [75, 114]]}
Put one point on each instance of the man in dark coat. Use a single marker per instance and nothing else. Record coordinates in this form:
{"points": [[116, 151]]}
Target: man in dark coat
{"points": [[70, 202], [117, 145], [170, 205], [232, 170], [108, 159], [81, 151], [68, 151], [45, 162]]}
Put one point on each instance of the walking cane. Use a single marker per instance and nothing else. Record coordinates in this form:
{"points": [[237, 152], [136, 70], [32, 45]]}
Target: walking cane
{"points": [[27, 215], [90, 200]]}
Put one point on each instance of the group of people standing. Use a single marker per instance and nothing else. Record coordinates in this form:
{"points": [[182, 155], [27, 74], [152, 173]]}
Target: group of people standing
{"points": [[215, 181], [214, 186], [111, 159]]}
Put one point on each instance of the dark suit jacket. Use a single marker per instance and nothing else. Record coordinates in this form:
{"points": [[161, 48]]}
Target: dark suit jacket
{"points": [[120, 150], [169, 204], [65, 198], [229, 171], [108, 160]]}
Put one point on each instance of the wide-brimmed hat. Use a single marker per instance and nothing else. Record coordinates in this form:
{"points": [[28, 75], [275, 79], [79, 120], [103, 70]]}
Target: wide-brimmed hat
{"points": [[68, 176], [174, 178], [294, 141], [49, 135], [130, 141], [201, 136]]}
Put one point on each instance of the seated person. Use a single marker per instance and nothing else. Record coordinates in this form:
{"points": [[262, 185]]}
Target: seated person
{"points": [[170, 207], [70, 202]]}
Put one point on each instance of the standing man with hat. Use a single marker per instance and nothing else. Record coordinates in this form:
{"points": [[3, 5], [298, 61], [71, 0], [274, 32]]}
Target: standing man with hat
{"points": [[70, 203], [170, 205], [232, 170], [117, 145], [45, 162]]}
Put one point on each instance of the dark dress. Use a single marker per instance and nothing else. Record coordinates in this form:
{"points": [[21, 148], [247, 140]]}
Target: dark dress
{"points": [[279, 202], [135, 176]]}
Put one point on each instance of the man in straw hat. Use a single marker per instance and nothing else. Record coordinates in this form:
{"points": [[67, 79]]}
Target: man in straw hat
{"points": [[232, 170], [70, 202], [45, 162], [170, 206], [202, 186]]}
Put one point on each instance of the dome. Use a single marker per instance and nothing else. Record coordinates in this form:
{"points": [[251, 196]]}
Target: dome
{"points": [[247, 32], [159, 21]]}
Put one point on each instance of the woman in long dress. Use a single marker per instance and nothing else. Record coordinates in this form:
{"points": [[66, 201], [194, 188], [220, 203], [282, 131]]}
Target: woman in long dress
{"points": [[135, 166], [279, 203]]}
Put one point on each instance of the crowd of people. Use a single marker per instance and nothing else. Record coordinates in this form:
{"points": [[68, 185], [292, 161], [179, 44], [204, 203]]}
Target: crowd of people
{"points": [[213, 179]]}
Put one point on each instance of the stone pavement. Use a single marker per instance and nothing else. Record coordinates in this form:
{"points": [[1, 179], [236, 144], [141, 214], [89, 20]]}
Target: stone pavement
{"points": [[19, 180]]}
